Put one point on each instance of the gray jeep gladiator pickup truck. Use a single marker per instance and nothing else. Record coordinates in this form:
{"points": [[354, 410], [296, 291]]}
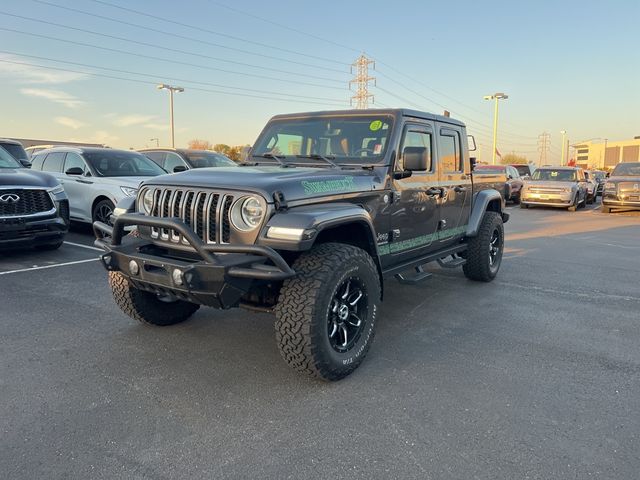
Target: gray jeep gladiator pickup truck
{"points": [[327, 206]]}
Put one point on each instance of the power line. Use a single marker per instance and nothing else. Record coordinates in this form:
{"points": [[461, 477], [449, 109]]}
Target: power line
{"points": [[145, 82], [281, 25], [185, 37], [543, 147], [166, 60], [157, 76], [213, 32], [164, 47]]}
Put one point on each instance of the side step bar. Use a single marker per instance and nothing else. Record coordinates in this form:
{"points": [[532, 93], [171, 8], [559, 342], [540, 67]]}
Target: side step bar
{"points": [[420, 276]]}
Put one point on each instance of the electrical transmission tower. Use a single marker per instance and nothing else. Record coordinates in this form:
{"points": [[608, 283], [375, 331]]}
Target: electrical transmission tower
{"points": [[544, 145], [361, 80]]}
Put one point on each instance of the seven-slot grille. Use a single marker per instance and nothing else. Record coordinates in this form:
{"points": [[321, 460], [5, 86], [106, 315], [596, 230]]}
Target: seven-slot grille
{"points": [[29, 202], [206, 212]]}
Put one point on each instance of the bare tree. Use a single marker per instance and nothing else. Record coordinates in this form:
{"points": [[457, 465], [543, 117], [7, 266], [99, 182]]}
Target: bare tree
{"points": [[197, 144], [513, 158]]}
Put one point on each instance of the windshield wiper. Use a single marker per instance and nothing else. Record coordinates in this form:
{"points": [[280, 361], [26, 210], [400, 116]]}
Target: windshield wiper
{"points": [[317, 156], [278, 158]]}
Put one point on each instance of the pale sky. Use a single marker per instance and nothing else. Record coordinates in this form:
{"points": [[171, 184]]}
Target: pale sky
{"points": [[570, 65]]}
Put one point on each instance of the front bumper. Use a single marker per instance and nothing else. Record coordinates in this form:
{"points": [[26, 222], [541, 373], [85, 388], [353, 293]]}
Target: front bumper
{"points": [[630, 201], [548, 199], [212, 274], [19, 232]]}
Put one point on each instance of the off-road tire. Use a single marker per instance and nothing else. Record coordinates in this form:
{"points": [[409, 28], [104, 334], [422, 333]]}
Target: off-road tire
{"points": [[50, 246], [478, 266], [145, 306], [304, 308]]}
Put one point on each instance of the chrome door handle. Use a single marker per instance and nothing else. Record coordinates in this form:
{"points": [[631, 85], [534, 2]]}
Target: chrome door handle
{"points": [[459, 189]]}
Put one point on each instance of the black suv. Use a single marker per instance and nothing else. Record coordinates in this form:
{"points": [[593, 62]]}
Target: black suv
{"points": [[178, 160], [622, 188], [328, 206], [34, 210], [16, 150]]}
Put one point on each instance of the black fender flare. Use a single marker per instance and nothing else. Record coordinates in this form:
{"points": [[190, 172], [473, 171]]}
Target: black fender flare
{"points": [[314, 219], [485, 200]]}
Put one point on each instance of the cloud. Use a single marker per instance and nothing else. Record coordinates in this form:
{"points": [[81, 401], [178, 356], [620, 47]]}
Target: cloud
{"points": [[56, 96], [132, 119], [32, 74], [156, 126], [100, 136], [69, 122]]}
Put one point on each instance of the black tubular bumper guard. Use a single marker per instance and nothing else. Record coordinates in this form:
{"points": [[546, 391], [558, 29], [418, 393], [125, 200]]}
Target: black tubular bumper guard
{"points": [[208, 279]]}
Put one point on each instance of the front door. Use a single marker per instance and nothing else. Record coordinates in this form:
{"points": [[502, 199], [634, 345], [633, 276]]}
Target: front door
{"points": [[415, 199], [78, 188], [455, 181]]}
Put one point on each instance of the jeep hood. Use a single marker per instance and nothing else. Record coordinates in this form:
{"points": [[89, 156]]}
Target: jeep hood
{"points": [[295, 183]]}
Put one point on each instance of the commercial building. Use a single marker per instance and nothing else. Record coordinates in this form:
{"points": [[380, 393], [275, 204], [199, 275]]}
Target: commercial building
{"points": [[605, 155]]}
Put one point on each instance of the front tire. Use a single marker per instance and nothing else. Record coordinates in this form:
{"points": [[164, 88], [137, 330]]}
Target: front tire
{"points": [[147, 307], [326, 314], [102, 211], [484, 254]]}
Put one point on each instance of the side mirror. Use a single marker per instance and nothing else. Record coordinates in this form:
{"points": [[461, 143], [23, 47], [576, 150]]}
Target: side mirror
{"points": [[415, 158], [74, 171], [509, 177], [471, 142], [25, 163], [179, 168]]}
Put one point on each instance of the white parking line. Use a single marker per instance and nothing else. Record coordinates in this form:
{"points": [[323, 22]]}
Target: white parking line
{"points": [[84, 246], [49, 266]]}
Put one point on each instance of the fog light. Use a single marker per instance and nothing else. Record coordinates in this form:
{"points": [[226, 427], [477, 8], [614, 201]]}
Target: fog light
{"points": [[134, 269], [177, 277]]}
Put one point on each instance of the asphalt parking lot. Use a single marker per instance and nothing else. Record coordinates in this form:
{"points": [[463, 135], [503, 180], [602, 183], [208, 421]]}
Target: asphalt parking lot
{"points": [[536, 375]]}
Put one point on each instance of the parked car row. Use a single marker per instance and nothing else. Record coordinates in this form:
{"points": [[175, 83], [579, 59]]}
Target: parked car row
{"points": [[41, 195]]}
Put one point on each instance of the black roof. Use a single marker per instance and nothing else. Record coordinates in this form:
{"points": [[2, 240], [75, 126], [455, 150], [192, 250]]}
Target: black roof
{"points": [[395, 112]]}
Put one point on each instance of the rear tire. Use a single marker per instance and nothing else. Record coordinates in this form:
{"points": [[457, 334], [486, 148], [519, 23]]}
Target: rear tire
{"points": [[326, 314], [484, 254], [146, 307]]}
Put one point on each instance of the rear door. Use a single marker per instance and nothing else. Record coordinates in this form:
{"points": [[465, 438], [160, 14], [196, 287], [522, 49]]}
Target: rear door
{"points": [[455, 181], [79, 188]]}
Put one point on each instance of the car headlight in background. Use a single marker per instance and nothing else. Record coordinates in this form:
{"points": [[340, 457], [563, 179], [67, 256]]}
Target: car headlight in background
{"points": [[247, 213], [610, 187], [57, 189], [129, 191]]}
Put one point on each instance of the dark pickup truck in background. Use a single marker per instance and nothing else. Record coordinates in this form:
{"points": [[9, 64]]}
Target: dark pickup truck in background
{"points": [[328, 205]]}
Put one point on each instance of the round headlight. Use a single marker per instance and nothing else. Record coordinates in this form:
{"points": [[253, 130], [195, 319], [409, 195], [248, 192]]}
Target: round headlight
{"points": [[147, 201], [247, 213]]}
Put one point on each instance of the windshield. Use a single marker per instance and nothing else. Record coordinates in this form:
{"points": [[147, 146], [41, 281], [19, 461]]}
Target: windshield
{"points": [[352, 139], [16, 151], [598, 175], [522, 169], [555, 175], [627, 170], [208, 159], [7, 161], [114, 163]]}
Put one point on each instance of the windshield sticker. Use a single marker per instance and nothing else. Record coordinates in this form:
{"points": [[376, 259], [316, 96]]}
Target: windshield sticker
{"points": [[325, 186], [554, 174], [377, 148], [375, 125]]}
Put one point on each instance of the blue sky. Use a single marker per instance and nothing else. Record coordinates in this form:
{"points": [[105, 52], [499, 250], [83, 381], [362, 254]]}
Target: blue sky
{"points": [[565, 65]]}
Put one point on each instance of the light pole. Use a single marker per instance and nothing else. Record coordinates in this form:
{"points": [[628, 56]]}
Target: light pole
{"points": [[496, 97], [564, 143], [172, 89]]}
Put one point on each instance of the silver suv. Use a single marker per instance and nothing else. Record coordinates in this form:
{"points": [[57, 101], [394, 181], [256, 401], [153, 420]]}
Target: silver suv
{"points": [[95, 179], [555, 187]]}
